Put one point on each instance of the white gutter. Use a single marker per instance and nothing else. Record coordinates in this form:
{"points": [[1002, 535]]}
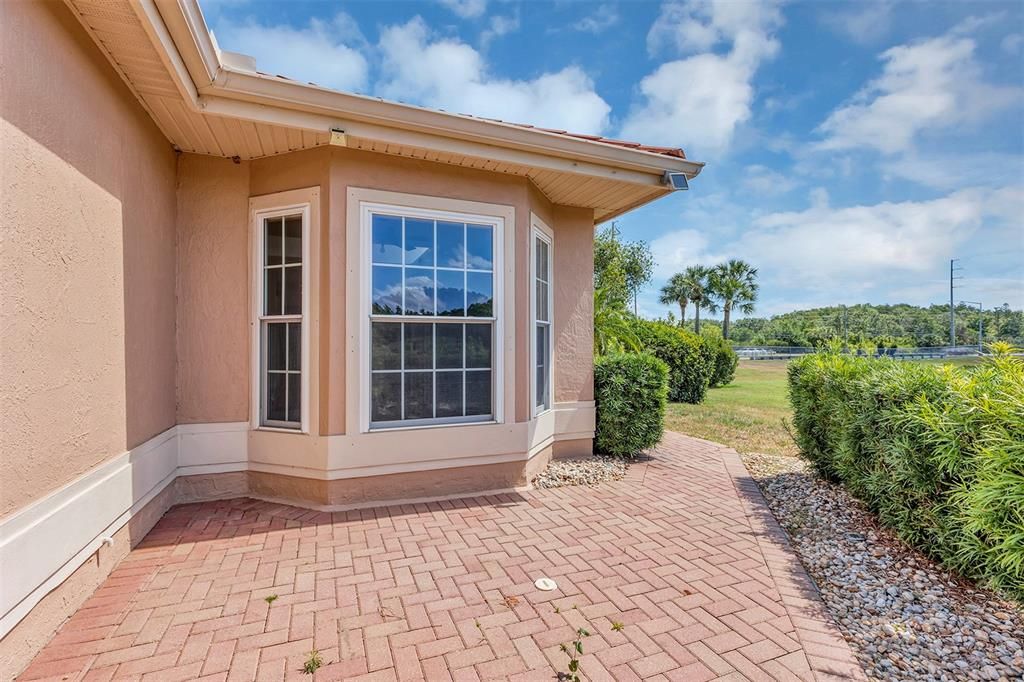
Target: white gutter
{"points": [[210, 86]]}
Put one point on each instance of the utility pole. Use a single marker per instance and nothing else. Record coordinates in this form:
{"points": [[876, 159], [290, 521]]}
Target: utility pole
{"points": [[952, 309]]}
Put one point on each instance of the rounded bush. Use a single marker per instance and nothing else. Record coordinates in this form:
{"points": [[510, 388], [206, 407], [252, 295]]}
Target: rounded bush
{"points": [[630, 391], [725, 361], [690, 359]]}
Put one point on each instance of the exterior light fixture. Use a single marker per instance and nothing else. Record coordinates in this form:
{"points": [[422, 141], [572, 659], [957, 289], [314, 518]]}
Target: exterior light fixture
{"points": [[338, 138], [677, 181]]}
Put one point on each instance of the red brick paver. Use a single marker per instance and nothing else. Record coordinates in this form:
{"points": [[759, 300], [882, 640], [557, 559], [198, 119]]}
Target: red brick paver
{"points": [[683, 552]]}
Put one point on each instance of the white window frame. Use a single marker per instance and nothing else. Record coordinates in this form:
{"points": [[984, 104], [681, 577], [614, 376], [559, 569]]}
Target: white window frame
{"points": [[540, 230], [497, 223], [259, 347]]}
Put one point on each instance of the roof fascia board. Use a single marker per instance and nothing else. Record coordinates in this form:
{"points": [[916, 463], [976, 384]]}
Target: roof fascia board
{"points": [[221, 106], [292, 94]]}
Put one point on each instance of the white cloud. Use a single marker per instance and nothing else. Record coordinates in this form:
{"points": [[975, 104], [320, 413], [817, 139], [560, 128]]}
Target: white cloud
{"points": [[864, 23], [947, 171], [1011, 44], [854, 247], [322, 52], [765, 181], [498, 27], [703, 98], [603, 18], [929, 85], [467, 9], [451, 75]]}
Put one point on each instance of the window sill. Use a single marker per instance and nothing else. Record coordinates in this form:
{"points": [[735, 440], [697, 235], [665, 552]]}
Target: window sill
{"points": [[420, 427], [281, 429]]}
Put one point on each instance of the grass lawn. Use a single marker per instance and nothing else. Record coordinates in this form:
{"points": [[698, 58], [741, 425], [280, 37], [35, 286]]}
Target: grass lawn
{"points": [[749, 414]]}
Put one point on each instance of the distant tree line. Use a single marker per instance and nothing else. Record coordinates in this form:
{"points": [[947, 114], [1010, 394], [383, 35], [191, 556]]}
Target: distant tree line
{"points": [[900, 324]]}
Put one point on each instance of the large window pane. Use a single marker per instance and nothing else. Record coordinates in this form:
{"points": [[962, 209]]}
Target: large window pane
{"points": [[419, 242], [293, 290], [479, 247], [478, 345], [294, 397], [449, 346], [387, 239], [478, 393], [387, 345], [419, 395], [273, 293], [479, 294], [386, 397], [449, 394], [272, 241], [276, 350], [293, 239], [387, 290], [451, 293], [419, 291], [276, 387], [419, 346], [451, 247]]}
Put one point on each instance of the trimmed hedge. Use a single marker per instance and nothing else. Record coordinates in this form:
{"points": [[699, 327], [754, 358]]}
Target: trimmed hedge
{"points": [[690, 358], [936, 451], [725, 361], [630, 391]]}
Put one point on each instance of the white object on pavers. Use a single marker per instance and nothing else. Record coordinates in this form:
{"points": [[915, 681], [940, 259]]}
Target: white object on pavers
{"points": [[546, 584]]}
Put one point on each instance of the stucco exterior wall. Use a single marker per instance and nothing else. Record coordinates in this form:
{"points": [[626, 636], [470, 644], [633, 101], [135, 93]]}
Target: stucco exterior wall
{"points": [[212, 286], [87, 296]]}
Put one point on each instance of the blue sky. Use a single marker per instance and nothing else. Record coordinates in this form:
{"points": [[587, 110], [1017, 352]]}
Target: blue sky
{"points": [[852, 149]]}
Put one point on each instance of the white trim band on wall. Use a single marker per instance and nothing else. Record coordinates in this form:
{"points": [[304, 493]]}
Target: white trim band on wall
{"points": [[45, 542]]}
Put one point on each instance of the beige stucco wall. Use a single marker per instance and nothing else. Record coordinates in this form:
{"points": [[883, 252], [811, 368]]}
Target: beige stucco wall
{"points": [[213, 336], [212, 288], [87, 255]]}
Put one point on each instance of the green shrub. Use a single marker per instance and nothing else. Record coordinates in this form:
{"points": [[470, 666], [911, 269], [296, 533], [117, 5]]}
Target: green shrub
{"points": [[690, 359], [725, 361], [936, 451], [630, 391]]}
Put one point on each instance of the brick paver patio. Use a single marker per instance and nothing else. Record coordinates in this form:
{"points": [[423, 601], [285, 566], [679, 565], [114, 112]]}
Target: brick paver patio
{"points": [[683, 552]]}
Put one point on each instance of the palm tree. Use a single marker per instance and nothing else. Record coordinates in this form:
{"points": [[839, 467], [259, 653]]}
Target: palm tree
{"points": [[694, 281], [676, 291], [734, 283], [613, 328]]}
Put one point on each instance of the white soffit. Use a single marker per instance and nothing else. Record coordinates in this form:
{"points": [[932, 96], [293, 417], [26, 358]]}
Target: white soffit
{"points": [[164, 53]]}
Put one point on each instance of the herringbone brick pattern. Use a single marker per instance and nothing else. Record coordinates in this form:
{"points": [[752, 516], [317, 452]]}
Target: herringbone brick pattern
{"points": [[682, 552]]}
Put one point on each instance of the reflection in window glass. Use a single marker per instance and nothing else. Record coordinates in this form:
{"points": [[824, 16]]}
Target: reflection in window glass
{"points": [[387, 239], [451, 245], [419, 291], [451, 293], [479, 247], [424, 270], [387, 290], [419, 242], [479, 294]]}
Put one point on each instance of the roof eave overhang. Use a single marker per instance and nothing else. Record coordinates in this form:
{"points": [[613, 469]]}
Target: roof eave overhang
{"points": [[189, 51]]}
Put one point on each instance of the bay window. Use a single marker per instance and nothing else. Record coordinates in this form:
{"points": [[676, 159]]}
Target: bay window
{"points": [[541, 305], [281, 317], [432, 318]]}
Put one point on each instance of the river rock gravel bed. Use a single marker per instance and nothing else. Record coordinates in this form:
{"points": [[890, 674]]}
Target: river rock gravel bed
{"points": [[905, 617], [589, 471]]}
